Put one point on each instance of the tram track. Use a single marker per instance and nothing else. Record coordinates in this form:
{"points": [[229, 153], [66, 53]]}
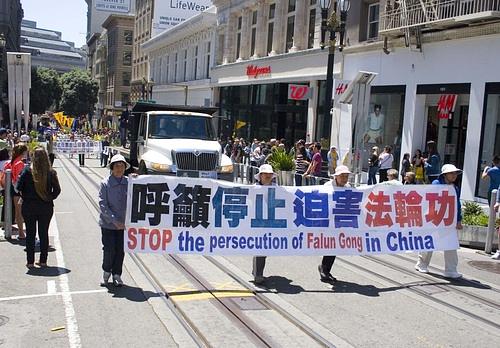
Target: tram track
{"points": [[417, 288], [237, 316]]}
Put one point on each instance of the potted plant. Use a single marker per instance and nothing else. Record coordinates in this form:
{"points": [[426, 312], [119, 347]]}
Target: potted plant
{"points": [[284, 166], [475, 225]]}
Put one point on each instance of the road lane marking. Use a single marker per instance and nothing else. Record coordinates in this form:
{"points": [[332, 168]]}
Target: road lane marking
{"points": [[69, 309], [51, 287], [210, 295], [26, 297]]}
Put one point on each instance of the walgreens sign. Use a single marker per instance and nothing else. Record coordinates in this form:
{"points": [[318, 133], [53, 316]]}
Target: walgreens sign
{"points": [[299, 92], [255, 71]]}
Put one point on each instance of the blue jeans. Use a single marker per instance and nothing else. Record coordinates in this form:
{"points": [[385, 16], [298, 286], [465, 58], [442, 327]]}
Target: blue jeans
{"points": [[372, 172], [113, 254]]}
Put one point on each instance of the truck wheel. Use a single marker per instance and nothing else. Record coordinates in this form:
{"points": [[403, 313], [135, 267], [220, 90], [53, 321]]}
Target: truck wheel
{"points": [[142, 169]]}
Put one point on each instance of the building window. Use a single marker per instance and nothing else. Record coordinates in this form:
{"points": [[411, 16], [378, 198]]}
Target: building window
{"points": [[176, 61], [125, 99], [490, 139], [127, 58], [373, 20], [290, 24], [195, 64], [207, 63], [270, 27], [126, 78], [184, 66], [128, 37], [238, 37], [312, 24], [254, 33], [164, 76]]}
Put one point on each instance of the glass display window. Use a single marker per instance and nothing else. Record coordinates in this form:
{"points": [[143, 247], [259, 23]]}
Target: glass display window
{"points": [[490, 137]]}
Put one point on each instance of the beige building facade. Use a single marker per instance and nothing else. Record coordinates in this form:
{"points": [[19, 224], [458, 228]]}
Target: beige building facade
{"points": [[140, 88], [119, 32]]}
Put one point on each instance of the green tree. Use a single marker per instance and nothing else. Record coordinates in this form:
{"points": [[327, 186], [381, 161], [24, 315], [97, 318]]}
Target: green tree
{"points": [[79, 92], [45, 93]]}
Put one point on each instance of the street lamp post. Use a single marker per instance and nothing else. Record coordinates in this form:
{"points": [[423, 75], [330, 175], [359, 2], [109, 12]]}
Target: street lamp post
{"points": [[332, 26]]}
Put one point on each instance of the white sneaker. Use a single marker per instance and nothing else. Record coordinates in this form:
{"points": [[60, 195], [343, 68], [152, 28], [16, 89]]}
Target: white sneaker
{"points": [[105, 278], [496, 256], [117, 280], [421, 269], [452, 275]]}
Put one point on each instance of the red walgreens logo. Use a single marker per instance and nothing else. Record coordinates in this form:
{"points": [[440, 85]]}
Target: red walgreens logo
{"points": [[446, 105], [299, 92], [254, 70]]}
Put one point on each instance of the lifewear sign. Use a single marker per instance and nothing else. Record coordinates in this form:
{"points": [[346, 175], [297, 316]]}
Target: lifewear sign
{"points": [[202, 216]]}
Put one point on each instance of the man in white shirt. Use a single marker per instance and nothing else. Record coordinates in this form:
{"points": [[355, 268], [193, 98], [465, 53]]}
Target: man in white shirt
{"points": [[340, 179], [374, 133]]}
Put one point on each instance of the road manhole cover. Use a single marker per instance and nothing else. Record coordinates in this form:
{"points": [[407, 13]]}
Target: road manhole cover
{"points": [[489, 266], [3, 320]]}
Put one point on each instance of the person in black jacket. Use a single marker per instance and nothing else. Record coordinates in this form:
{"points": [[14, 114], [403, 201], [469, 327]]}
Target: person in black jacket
{"points": [[38, 186]]}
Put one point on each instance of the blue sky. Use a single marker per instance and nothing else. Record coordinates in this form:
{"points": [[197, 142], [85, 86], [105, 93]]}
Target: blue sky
{"points": [[67, 16]]}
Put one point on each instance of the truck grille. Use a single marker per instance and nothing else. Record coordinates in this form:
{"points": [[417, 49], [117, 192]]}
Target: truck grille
{"points": [[205, 161]]}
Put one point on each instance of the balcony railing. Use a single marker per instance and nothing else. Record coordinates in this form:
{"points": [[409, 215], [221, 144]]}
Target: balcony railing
{"points": [[418, 13]]}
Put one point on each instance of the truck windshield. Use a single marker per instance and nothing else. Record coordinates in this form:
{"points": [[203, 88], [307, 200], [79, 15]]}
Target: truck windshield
{"points": [[180, 126]]}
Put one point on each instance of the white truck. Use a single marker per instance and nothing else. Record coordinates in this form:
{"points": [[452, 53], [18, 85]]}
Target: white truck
{"points": [[176, 140]]}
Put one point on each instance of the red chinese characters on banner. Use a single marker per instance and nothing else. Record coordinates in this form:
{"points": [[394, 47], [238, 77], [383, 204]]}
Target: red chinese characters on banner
{"points": [[379, 209], [408, 209], [446, 204], [446, 105]]}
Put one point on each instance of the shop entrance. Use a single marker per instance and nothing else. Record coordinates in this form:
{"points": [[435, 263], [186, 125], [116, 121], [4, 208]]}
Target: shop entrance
{"points": [[449, 134]]}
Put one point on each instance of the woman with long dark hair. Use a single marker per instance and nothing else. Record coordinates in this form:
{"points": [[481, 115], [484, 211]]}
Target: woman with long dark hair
{"points": [[17, 165], [38, 186]]}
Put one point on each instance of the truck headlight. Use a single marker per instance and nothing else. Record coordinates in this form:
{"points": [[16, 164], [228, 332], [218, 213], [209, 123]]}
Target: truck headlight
{"points": [[226, 169], [160, 167]]}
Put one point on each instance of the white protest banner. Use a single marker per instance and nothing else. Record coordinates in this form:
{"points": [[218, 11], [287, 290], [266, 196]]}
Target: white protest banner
{"points": [[203, 216], [77, 147]]}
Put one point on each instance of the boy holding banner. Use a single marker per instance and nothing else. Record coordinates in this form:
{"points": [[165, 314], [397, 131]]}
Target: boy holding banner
{"points": [[448, 176]]}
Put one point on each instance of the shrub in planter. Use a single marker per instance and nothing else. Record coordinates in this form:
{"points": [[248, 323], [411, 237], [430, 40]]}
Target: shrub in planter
{"points": [[473, 214], [281, 161]]}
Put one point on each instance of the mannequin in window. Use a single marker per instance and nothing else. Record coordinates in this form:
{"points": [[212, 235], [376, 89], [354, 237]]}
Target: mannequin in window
{"points": [[375, 126]]}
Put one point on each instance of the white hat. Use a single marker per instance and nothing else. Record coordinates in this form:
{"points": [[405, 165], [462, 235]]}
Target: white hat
{"points": [[342, 170], [450, 168], [118, 158], [24, 138], [265, 168]]}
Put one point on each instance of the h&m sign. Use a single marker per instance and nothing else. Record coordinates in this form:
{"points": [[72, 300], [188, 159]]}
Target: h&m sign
{"points": [[446, 105], [299, 92]]}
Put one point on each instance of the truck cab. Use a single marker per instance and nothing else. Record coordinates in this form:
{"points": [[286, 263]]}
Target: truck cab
{"points": [[178, 141]]}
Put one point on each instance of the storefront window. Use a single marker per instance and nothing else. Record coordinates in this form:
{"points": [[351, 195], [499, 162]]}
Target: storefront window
{"points": [[490, 139], [382, 124], [262, 112]]}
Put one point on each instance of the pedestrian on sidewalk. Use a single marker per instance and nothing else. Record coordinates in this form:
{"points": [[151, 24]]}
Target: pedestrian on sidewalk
{"points": [[340, 179], [16, 164], [493, 173], [496, 256], [113, 203], [38, 186], [448, 176], [385, 162], [264, 177]]}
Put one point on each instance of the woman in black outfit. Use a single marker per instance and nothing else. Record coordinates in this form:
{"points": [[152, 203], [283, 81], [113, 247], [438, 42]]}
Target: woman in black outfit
{"points": [[38, 186]]}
